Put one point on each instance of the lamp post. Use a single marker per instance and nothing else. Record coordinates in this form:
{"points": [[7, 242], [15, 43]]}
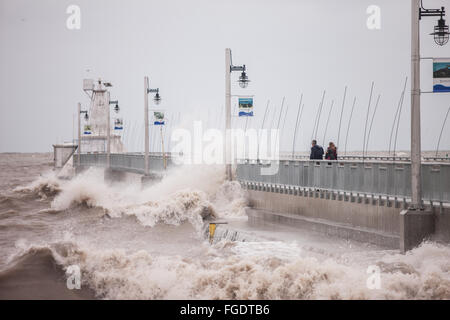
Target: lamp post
{"points": [[108, 129], [86, 117], [243, 83], [441, 37], [157, 100]]}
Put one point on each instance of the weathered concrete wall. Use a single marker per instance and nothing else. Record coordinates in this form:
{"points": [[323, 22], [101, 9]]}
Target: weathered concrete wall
{"points": [[62, 154], [380, 221], [378, 224], [415, 226], [112, 175], [441, 224]]}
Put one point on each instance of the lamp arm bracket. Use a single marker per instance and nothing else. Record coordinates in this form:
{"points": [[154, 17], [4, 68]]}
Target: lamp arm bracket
{"points": [[431, 12], [237, 68]]}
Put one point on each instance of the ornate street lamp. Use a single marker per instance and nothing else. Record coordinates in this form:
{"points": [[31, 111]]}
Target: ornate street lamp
{"points": [[441, 38], [157, 98], [243, 79], [157, 101], [243, 83], [441, 32], [86, 117]]}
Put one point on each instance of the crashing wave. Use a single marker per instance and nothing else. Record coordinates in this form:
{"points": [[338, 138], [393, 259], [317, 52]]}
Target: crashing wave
{"points": [[119, 274], [47, 185], [183, 195]]}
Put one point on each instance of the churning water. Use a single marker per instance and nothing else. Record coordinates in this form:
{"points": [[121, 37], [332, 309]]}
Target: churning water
{"points": [[134, 243]]}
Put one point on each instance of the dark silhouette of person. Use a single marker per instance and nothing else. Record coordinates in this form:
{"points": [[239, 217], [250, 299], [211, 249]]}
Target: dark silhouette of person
{"points": [[331, 152], [316, 151]]}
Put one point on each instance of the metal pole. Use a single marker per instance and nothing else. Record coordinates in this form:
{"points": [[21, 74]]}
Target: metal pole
{"points": [[228, 114], [79, 134], [279, 117], [162, 148], [146, 169], [285, 116], [348, 126], [262, 127], [442, 130], [371, 121], [108, 133], [318, 118], [398, 124], [340, 118], [328, 120], [416, 188], [296, 124], [367, 118], [314, 127], [395, 116]]}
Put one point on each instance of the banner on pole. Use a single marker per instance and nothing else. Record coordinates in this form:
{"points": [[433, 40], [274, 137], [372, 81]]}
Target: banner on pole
{"points": [[87, 129], [245, 107], [441, 75], [118, 124], [158, 118]]}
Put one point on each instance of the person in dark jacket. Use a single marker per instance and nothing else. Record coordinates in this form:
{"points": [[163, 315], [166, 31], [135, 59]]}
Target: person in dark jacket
{"points": [[316, 151], [331, 152]]}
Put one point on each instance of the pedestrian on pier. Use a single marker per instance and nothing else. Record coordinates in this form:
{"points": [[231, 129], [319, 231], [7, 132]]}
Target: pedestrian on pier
{"points": [[331, 152], [316, 151]]}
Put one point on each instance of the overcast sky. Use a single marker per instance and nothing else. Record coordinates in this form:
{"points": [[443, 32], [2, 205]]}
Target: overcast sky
{"points": [[289, 47]]}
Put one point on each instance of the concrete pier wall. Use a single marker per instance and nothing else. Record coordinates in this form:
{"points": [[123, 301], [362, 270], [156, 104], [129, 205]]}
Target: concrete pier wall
{"points": [[346, 218], [441, 224], [380, 221], [62, 153]]}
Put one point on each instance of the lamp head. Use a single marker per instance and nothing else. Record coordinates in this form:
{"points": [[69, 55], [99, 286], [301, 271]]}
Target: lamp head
{"points": [[243, 80], [157, 98], [441, 33]]}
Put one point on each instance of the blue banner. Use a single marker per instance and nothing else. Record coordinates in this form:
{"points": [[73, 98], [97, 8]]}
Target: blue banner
{"points": [[87, 129], [245, 107], [118, 124], [159, 118], [441, 75]]}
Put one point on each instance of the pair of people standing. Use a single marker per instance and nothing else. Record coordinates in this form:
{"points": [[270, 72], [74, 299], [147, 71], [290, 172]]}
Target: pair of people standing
{"points": [[317, 152]]}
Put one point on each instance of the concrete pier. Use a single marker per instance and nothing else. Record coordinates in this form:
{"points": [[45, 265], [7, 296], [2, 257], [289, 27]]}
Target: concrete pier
{"points": [[62, 153], [415, 226], [112, 175], [152, 178], [363, 201], [80, 169], [379, 221], [343, 217]]}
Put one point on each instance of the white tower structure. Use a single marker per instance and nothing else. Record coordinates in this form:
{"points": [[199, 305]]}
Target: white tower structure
{"points": [[95, 140]]}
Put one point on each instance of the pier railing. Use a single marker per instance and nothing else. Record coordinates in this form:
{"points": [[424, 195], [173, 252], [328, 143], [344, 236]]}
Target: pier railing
{"points": [[131, 162], [369, 177], [392, 179]]}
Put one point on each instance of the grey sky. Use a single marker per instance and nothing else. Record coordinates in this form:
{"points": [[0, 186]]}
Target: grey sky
{"points": [[288, 46]]}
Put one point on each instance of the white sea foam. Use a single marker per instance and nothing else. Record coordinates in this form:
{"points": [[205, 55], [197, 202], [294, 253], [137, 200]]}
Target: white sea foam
{"points": [[230, 273], [248, 270], [47, 184], [184, 194]]}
